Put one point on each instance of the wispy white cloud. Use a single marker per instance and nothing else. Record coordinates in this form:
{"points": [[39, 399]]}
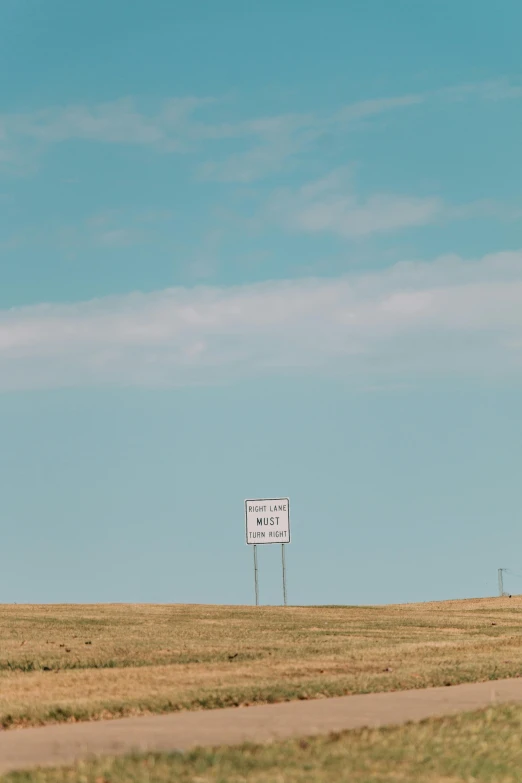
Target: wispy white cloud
{"points": [[111, 122], [117, 121], [116, 237], [177, 126], [490, 90], [277, 139], [449, 316], [330, 205], [373, 107]]}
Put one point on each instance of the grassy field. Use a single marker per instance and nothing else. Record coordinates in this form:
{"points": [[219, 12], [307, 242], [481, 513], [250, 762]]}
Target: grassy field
{"points": [[66, 663], [485, 747]]}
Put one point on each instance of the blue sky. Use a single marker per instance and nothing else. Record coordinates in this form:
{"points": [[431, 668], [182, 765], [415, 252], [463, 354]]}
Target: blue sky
{"points": [[260, 249]]}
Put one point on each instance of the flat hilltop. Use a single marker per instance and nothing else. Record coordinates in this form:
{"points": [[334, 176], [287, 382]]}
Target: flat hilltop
{"points": [[87, 662], [495, 602]]}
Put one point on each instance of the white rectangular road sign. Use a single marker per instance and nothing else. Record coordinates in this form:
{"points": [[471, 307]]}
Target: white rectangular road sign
{"points": [[267, 521]]}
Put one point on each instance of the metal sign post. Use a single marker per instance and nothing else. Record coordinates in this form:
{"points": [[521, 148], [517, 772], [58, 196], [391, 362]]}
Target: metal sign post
{"points": [[256, 582], [284, 572], [268, 522]]}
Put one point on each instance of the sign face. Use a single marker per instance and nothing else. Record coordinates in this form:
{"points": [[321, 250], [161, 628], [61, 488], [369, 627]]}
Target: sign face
{"points": [[267, 521]]}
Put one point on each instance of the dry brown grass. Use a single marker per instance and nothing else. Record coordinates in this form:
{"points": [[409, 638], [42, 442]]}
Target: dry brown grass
{"points": [[84, 662]]}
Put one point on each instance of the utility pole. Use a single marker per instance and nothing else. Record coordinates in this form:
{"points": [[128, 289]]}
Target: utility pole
{"points": [[501, 581]]}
